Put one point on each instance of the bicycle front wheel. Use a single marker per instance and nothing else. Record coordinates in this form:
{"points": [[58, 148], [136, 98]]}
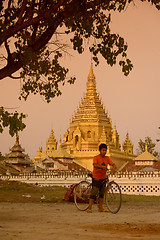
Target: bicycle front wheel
{"points": [[82, 194], [113, 197]]}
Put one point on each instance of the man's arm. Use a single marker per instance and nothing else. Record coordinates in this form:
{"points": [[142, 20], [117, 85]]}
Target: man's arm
{"points": [[96, 165], [114, 168]]}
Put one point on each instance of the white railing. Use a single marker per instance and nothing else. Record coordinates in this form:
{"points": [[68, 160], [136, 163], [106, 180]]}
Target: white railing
{"points": [[146, 183], [138, 184]]}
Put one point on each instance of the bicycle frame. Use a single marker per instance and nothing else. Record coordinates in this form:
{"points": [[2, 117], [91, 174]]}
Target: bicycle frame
{"points": [[112, 197]]}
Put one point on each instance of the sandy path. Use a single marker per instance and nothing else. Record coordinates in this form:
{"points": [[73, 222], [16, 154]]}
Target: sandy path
{"points": [[27, 221]]}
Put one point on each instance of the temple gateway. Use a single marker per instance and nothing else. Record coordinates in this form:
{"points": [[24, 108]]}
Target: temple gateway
{"points": [[90, 126]]}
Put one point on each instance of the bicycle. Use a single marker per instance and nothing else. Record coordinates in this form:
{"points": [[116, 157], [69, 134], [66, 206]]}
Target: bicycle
{"points": [[112, 196]]}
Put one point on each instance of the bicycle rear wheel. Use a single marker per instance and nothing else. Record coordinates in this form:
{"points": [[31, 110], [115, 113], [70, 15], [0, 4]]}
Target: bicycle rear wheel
{"points": [[113, 197], [82, 194]]}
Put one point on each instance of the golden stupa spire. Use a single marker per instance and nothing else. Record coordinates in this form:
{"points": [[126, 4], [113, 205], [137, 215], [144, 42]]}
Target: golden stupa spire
{"points": [[127, 140], [84, 112], [146, 145], [51, 137], [127, 145], [91, 74], [91, 83]]}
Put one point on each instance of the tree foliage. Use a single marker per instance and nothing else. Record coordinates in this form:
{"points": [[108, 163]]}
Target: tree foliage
{"points": [[31, 33], [158, 140], [11, 120], [150, 146]]}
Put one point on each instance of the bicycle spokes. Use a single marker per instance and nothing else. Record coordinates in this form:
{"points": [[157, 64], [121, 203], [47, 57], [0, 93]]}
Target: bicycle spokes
{"points": [[113, 197], [82, 195]]}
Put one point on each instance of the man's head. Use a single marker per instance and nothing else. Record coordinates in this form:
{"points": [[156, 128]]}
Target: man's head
{"points": [[103, 149], [102, 145]]}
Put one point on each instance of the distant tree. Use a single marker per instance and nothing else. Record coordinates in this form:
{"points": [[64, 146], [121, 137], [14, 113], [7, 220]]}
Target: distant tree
{"points": [[31, 33], [158, 140], [150, 146]]}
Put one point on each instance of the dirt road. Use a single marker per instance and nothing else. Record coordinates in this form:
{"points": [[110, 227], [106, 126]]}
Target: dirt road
{"points": [[27, 221]]}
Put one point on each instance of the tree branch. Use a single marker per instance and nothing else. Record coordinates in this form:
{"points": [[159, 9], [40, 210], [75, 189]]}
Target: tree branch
{"points": [[20, 18], [10, 69], [19, 27], [14, 66]]}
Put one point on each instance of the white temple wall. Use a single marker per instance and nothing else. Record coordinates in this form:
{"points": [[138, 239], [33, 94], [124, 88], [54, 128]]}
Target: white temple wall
{"points": [[133, 184]]}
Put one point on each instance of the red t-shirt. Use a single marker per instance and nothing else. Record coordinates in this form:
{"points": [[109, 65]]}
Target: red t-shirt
{"points": [[101, 173]]}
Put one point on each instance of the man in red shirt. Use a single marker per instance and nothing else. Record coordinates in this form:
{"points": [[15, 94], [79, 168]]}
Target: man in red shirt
{"points": [[100, 163]]}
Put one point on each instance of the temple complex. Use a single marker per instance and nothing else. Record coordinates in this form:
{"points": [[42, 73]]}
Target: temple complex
{"points": [[90, 126]]}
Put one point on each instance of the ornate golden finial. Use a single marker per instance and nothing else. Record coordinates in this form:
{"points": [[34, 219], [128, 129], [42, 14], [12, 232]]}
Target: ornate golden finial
{"points": [[146, 145], [127, 136], [91, 74], [51, 135], [40, 149], [60, 142], [114, 131]]}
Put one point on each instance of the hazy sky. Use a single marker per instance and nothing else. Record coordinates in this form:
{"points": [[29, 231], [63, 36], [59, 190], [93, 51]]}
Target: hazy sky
{"points": [[132, 102]]}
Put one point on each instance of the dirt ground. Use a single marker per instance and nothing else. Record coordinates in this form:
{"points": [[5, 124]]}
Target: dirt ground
{"points": [[58, 221]]}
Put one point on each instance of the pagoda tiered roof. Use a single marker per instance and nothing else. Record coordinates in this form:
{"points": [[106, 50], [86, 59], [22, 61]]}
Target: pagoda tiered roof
{"points": [[16, 156], [91, 108]]}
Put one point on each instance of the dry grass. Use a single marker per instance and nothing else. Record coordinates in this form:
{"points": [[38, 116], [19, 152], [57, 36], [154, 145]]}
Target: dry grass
{"points": [[18, 192], [12, 191], [140, 198]]}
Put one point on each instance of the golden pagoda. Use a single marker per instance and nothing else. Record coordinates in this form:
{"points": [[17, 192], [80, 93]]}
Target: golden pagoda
{"points": [[90, 126], [127, 145], [51, 146]]}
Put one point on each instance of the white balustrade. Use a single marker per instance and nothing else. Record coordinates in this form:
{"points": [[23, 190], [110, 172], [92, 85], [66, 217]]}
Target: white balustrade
{"points": [[138, 183]]}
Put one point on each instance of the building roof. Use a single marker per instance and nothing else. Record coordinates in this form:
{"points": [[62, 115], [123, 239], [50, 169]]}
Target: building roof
{"points": [[69, 165], [131, 167], [16, 156], [146, 156], [8, 168], [143, 162], [61, 153]]}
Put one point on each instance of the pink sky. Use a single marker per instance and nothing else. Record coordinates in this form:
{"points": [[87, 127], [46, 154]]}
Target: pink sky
{"points": [[132, 102]]}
